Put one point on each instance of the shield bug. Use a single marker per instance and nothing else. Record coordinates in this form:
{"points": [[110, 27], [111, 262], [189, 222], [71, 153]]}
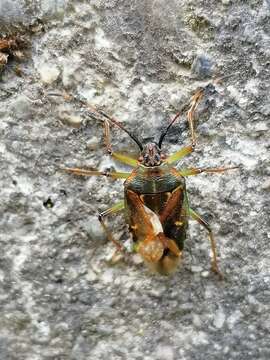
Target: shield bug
{"points": [[155, 201]]}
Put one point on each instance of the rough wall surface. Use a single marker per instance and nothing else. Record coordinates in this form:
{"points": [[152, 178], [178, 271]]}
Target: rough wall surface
{"points": [[61, 296]]}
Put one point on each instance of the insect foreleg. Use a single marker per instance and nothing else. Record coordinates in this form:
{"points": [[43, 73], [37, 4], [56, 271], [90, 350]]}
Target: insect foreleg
{"points": [[179, 154], [118, 156], [125, 159], [201, 221], [191, 112]]}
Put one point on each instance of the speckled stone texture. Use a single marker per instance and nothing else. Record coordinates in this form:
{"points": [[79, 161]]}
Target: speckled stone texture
{"points": [[61, 294]]}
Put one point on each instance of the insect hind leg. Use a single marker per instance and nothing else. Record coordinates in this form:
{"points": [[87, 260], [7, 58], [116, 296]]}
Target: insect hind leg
{"points": [[215, 268], [114, 209]]}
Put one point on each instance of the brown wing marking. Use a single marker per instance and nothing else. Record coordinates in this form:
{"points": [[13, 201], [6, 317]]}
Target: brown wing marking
{"points": [[172, 204], [146, 226], [151, 249], [139, 218], [150, 246], [170, 244]]}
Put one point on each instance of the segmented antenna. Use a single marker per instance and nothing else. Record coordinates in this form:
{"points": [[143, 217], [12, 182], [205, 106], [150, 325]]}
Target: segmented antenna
{"points": [[164, 132], [92, 110]]}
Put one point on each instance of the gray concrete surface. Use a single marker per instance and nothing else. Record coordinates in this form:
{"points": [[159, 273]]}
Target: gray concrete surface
{"points": [[61, 295]]}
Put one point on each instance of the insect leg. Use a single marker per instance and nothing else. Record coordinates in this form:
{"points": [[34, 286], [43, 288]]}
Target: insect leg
{"points": [[84, 172], [106, 120], [179, 154], [196, 171], [201, 221], [117, 207], [125, 159], [191, 112], [190, 116], [118, 156]]}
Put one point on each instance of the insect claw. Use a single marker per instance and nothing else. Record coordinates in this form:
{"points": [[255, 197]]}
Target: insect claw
{"points": [[240, 167], [63, 169], [100, 217], [109, 150], [216, 270]]}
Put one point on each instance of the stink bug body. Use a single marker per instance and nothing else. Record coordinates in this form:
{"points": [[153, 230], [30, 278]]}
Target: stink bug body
{"points": [[155, 198]]}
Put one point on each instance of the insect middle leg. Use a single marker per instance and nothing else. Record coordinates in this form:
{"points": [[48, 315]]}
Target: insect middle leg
{"points": [[201, 221], [118, 207], [85, 172], [114, 209], [191, 112], [196, 171]]}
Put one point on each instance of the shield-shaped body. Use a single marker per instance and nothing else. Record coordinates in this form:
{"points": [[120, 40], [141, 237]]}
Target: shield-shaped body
{"points": [[156, 210]]}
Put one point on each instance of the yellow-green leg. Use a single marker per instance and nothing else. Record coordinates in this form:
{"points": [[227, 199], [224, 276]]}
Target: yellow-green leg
{"points": [[107, 120], [179, 154], [201, 221], [190, 116], [118, 156], [196, 171], [117, 207]]}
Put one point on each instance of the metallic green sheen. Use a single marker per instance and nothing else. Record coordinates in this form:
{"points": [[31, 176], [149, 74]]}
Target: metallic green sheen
{"points": [[153, 180]]}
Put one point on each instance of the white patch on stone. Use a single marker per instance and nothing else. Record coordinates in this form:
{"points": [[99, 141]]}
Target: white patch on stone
{"points": [[67, 116], [24, 254], [164, 352], [196, 268], [3, 149], [236, 94], [2, 276], [25, 185], [200, 338], [107, 276], [91, 275], [219, 319], [43, 330], [234, 318], [48, 73], [52, 6], [71, 69], [252, 87], [100, 40], [137, 259], [196, 320]]}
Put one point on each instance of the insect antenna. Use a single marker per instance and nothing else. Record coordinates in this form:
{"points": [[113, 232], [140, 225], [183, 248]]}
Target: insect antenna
{"points": [[93, 112], [117, 123], [164, 132], [112, 120]]}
